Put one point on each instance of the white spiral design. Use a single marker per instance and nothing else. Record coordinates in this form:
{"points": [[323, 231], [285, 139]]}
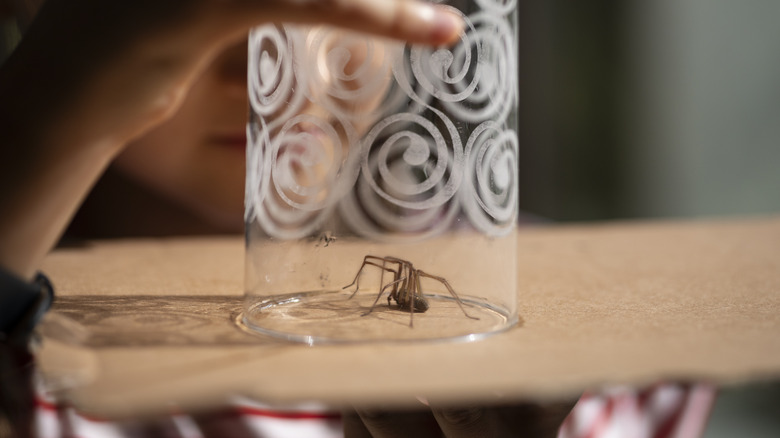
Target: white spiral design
{"points": [[405, 156], [489, 196], [373, 132], [272, 79], [371, 216], [410, 172], [258, 166], [310, 168], [476, 79], [498, 7], [350, 75]]}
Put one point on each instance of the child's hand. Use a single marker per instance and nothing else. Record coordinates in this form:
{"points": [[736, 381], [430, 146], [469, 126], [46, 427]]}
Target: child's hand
{"points": [[140, 57], [91, 75]]}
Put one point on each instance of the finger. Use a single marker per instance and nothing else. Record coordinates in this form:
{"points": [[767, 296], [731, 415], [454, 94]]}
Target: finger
{"points": [[467, 421], [409, 20], [407, 424]]}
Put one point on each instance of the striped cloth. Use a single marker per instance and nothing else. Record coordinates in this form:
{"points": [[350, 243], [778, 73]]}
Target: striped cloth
{"points": [[666, 410], [240, 418]]}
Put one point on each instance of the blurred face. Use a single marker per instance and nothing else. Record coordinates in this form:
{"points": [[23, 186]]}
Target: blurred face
{"points": [[197, 158]]}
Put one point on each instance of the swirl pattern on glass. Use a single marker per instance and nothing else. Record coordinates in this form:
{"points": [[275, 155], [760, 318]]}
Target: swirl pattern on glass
{"points": [[398, 141]]}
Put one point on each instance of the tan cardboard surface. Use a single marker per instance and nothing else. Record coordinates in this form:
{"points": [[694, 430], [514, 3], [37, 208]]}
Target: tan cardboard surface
{"points": [[144, 324]]}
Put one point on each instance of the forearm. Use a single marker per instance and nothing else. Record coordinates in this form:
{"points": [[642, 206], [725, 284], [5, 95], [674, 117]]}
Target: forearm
{"points": [[71, 96], [38, 197], [48, 162]]}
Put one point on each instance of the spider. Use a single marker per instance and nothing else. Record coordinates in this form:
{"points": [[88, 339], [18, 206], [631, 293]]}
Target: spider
{"points": [[405, 287]]}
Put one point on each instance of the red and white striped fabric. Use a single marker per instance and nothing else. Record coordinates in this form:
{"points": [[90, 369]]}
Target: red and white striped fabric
{"points": [[242, 418], [666, 410], [661, 411]]}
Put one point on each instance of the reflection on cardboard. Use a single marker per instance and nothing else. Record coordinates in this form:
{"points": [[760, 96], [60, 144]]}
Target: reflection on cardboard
{"points": [[145, 320]]}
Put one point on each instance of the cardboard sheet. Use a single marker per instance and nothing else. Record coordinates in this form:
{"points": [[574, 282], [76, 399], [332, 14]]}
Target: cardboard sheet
{"points": [[144, 324]]}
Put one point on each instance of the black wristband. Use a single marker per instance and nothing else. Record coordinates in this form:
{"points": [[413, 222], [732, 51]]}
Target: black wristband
{"points": [[22, 305]]}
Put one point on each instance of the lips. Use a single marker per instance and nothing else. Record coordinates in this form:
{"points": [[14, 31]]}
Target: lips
{"points": [[231, 141]]}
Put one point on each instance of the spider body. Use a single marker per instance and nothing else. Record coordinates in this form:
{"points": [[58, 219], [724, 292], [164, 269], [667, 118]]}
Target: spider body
{"points": [[404, 287]]}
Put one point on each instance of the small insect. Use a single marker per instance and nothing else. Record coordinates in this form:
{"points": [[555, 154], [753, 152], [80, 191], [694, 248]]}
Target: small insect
{"points": [[327, 238], [405, 286]]}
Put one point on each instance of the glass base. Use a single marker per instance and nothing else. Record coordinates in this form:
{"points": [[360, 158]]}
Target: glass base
{"points": [[327, 317]]}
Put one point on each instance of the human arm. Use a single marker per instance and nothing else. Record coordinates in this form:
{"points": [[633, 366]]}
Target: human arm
{"points": [[90, 76]]}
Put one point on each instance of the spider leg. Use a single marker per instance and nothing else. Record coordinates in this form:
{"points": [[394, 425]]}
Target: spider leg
{"points": [[365, 261], [396, 260], [382, 276], [396, 277], [416, 298], [368, 260], [416, 288], [446, 284], [379, 295]]}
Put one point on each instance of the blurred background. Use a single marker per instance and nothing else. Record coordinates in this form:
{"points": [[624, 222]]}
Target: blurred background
{"points": [[649, 109], [655, 109]]}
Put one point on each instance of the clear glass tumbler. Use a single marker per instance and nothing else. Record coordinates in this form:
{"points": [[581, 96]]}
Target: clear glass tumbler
{"points": [[381, 194]]}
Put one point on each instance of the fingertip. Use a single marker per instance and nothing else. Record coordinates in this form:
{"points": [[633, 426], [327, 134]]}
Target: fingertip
{"points": [[445, 24]]}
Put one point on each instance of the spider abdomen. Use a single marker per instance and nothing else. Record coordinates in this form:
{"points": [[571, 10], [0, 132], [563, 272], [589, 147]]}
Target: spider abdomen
{"points": [[420, 303]]}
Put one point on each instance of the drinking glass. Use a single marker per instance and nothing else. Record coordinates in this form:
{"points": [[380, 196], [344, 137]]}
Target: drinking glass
{"points": [[381, 190]]}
